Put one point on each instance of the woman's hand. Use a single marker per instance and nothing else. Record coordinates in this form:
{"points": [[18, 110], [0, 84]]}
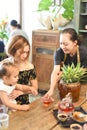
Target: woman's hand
{"points": [[33, 91], [15, 94], [48, 94], [54, 80], [55, 77]]}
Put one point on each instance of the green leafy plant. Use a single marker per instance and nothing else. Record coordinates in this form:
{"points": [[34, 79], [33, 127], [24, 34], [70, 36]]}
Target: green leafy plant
{"points": [[72, 74], [3, 31], [44, 5], [67, 6]]}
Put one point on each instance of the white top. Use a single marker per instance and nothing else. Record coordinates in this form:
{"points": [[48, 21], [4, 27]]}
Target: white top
{"points": [[6, 88]]}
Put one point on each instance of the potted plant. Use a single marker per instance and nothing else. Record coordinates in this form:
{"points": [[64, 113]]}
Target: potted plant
{"points": [[3, 38], [59, 13], [71, 81], [3, 30]]}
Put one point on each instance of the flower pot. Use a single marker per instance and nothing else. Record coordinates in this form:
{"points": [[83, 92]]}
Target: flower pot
{"points": [[74, 88]]}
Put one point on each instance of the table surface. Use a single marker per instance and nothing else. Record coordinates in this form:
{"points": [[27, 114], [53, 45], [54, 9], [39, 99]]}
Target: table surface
{"points": [[40, 117]]}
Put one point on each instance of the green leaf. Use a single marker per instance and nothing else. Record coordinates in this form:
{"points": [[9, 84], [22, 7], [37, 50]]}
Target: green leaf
{"points": [[71, 74], [44, 5], [68, 14], [68, 4]]}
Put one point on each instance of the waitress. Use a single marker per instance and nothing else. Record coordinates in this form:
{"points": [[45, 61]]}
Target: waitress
{"points": [[71, 51]]}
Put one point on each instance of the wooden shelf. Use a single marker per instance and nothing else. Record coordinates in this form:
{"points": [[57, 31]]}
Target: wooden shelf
{"points": [[84, 1], [84, 31], [81, 18]]}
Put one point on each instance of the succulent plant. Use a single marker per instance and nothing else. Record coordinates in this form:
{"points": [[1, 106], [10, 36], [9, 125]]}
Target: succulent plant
{"points": [[72, 74]]}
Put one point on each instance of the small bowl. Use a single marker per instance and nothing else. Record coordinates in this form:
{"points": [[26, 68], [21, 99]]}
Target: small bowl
{"points": [[62, 117], [75, 127]]}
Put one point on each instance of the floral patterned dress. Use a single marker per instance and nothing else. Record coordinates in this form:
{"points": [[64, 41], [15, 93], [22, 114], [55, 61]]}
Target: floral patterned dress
{"points": [[24, 78]]}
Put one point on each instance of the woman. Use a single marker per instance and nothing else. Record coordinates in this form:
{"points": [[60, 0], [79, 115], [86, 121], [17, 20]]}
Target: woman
{"points": [[70, 51], [14, 26], [18, 50]]}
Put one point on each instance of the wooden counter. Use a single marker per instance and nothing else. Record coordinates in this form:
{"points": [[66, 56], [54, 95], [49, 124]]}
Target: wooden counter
{"points": [[40, 117]]}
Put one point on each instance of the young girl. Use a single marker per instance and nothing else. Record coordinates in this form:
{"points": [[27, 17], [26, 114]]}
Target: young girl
{"points": [[8, 82]]}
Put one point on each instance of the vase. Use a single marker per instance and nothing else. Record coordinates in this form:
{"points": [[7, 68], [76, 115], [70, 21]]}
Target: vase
{"points": [[59, 21], [73, 88], [44, 19]]}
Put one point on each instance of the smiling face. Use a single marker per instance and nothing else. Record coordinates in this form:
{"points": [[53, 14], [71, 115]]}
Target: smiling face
{"points": [[68, 46]]}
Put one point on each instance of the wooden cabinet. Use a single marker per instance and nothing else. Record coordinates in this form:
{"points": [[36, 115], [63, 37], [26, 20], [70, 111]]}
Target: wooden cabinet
{"points": [[44, 43], [81, 18]]}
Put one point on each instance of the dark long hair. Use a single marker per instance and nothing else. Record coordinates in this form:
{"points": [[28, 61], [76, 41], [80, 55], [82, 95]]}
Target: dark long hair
{"points": [[73, 34]]}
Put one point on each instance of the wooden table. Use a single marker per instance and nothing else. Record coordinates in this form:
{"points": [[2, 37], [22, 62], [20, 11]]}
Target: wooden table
{"points": [[40, 117]]}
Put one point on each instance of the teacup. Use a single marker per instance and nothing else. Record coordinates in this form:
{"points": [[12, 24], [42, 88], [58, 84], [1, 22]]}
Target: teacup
{"points": [[75, 126], [62, 117], [47, 101]]}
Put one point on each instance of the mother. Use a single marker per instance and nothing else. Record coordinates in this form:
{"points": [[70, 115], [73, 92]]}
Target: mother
{"points": [[18, 50]]}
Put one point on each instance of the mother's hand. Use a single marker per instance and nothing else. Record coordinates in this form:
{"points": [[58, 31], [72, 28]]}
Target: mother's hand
{"points": [[15, 94], [33, 91]]}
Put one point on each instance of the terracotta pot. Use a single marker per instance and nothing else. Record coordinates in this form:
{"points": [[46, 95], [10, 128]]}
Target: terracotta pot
{"points": [[74, 88]]}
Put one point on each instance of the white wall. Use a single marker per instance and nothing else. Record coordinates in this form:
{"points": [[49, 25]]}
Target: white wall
{"points": [[30, 18], [10, 9]]}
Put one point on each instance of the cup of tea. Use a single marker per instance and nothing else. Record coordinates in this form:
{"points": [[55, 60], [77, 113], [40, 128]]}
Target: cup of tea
{"points": [[47, 101], [62, 117], [4, 121], [75, 127]]}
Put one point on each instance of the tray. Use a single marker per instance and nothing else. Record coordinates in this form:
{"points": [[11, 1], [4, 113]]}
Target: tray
{"points": [[70, 120]]}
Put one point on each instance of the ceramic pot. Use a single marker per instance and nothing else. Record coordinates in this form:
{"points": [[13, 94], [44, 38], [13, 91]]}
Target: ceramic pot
{"points": [[74, 88]]}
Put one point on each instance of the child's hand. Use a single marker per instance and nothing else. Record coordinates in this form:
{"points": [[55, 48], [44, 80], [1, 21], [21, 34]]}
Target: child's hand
{"points": [[25, 107]]}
